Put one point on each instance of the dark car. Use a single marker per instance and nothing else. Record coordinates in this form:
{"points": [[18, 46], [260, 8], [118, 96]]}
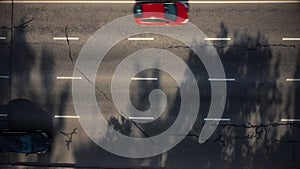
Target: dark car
{"points": [[160, 14], [29, 143]]}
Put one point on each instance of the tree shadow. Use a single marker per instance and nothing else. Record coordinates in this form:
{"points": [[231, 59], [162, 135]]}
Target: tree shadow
{"points": [[297, 90], [250, 63], [47, 72], [254, 104], [22, 63], [140, 100], [26, 116], [123, 125], [4, 67], [34, 99]]}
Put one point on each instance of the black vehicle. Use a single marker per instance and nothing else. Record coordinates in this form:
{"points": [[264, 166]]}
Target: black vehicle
{"points": [[29, 143]]}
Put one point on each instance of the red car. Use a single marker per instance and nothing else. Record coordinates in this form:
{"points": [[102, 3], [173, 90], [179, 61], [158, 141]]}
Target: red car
{"points": [[173, 13]]}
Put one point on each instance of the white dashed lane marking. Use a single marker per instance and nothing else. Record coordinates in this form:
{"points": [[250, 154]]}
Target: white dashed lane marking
{"points": [[216, 119], [141, 118], [215, 39], [4, 77], [136, 39], [144, 78], [290, 39], [68, 78], [70, 117], [65, 38], [293, 80], [221, 79], [290, 120]]}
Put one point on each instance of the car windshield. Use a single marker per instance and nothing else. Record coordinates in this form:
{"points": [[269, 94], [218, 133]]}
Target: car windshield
{"points": [[170, 11], [154, 20]]}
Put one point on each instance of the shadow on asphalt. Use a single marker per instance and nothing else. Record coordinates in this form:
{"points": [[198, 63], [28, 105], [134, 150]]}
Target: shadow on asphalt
{"points": [[23, 115], [4, 67], [23, 61], [254, 104], [252, 138], [33, 103], [247, 140]]}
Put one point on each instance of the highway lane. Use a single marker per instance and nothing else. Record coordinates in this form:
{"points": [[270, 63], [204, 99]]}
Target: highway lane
{"points": [[256, 57]]}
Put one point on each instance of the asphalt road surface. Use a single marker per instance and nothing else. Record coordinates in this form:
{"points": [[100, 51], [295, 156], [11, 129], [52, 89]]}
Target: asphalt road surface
{"points": [[259, 127]]}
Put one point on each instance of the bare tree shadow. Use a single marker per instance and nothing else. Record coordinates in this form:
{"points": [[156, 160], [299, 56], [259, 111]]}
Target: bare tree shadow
{"points": [[123, 125], [254, 112]]}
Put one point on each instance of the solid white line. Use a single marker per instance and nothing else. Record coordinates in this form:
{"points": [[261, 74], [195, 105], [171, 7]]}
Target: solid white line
{"points": [[132, 2], [219, 79], [69, 2], [290, 38], [293, 80], [65, 38], [217, 38], [141, 118], [3, 115], [240, 2], [71, 117], [140, 38], [290, 119], [143, 78], [2, 38], [69, 78], [217, 119], [4, 77]]}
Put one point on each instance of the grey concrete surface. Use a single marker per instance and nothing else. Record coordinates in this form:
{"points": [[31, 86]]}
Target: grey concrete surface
{"points": [[257, 57]]}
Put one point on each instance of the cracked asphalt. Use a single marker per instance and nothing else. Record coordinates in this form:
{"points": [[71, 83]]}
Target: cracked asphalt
{"points": [[256, 102]]}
